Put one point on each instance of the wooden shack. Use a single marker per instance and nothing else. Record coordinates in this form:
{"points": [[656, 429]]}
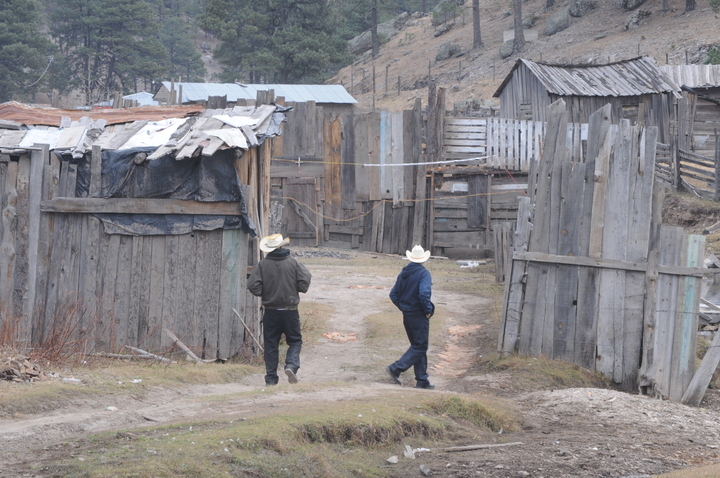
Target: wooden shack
{"points": [[636, 89], [699, 108], [99, 241]]}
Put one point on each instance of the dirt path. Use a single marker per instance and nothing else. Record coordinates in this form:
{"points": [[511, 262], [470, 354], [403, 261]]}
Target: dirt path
{"points": [[573, 432]]}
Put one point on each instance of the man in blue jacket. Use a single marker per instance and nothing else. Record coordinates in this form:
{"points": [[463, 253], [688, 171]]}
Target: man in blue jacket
{"points": [[411, 294]]}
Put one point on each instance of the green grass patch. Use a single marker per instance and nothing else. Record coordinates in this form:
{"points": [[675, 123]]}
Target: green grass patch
{"points": [[312, 439], [541, 373], [108, 377]]}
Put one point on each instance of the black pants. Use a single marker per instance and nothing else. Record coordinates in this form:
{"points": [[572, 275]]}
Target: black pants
{"points": [[275, 324]]}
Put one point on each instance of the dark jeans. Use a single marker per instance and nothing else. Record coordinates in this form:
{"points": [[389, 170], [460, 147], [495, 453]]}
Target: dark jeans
{"points": [[417, 327], [275, 324]]}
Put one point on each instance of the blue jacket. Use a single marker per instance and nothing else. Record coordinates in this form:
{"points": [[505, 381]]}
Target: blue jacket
{"points": [[412, 290]]}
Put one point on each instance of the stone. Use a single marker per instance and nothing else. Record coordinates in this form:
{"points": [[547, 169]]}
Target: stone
{"points": [[507, 49], [579, 8], [636, 19], [557, 22], [631, 4], [447, 50]]}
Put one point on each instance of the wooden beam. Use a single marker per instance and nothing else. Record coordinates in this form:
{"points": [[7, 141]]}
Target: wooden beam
{"points": [[696, 390], [138, 206]]}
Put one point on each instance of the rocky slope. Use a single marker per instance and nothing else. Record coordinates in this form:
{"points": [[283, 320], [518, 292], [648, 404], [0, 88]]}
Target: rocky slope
{"points": [[473, 75]]}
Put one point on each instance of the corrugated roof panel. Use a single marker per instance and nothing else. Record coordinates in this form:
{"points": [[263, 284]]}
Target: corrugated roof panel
{"points": [[292, 93]]}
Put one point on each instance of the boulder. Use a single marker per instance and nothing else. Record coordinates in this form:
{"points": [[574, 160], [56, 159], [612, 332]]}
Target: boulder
{"points": [[529, 21], [446, 10], [386, 31], [636, 19], [557, 22], [507, 49], [447, 50], [631, 4], [579, 8], [443, 29]]}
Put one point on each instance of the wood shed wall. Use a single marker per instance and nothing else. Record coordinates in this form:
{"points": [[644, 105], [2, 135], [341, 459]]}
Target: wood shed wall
{"points": [[61, 273], [524, 97]]}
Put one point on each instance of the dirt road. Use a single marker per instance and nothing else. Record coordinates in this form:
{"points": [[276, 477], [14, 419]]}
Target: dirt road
{"points": [[572, 432]]}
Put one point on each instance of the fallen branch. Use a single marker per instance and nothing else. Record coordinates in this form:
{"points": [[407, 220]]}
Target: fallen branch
{"points": [[475, 447], [248, 331], [148, 354], [182, 346], [124, 357]]}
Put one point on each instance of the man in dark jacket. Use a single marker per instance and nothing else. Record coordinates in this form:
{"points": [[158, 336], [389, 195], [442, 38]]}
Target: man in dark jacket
{"points": [[411, 294], [278, 279]]}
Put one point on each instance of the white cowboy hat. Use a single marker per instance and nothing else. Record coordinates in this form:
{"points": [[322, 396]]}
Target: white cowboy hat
{"points": [[270, 243], [418, 254]]}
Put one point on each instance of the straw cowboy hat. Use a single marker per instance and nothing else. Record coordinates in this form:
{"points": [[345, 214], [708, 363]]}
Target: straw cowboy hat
{"points": [[270, 243], [418, 254]]}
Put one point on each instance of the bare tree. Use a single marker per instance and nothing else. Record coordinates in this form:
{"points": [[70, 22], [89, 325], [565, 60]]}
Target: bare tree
{"points": [[373, 30], [477, 40], [689, 5], [519, 41]]}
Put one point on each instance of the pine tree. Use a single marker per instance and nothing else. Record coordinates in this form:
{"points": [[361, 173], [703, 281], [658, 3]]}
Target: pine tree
{"points": [[108, 46], [278, 41], [23, 50]]}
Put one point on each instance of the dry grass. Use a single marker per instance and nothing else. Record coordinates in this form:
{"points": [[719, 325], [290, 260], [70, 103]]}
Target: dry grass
{"points": [[531, 373], [710, 471]]}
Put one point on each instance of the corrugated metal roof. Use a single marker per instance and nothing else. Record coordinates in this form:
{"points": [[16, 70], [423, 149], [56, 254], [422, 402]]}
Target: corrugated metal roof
{"points": [[336, 94], [143, 98], [693, 76], [638, 76]]}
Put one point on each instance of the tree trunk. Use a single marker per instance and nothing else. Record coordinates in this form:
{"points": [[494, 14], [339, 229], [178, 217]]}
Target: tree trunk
{"points": [[689, 5], [519, 35], [666, 6], [477, 40], [374, 21]]}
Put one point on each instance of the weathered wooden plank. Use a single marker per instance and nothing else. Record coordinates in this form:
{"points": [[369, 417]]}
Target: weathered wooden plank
{"points": [[333, 158], [698, 385], [172, 287], [153, 338], [234, 249], [374, 173], [51, 173], [37, 160], [347, 169], [137, 206], [611, 286], [362, 182], [184, 321], [477, 201], [670, 252], [687, 319], [385, 141], [515, 283], [7, 242], [108, 327], [573, 175], [398, 173], [420, 193], [535, 303], [21, 266], [122, 298]]}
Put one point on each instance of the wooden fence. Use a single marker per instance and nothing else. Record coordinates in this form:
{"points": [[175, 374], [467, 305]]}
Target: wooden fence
{"points": [[63, 274], [595, 279], [504, 143]]}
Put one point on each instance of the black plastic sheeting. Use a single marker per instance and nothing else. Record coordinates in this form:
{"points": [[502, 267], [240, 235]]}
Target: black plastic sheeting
{"points": [[205, 179]]}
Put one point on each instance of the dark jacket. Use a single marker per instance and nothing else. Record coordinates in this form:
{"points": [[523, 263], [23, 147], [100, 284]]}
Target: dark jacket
{"points": [[278, 279], [412, 290]]}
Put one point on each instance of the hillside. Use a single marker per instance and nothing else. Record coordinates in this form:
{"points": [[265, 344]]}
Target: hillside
{"points": [[598, 37]]}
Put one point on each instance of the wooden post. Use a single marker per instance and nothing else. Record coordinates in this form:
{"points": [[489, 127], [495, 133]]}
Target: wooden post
{"points": [[387, 78], [717, 166]]}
